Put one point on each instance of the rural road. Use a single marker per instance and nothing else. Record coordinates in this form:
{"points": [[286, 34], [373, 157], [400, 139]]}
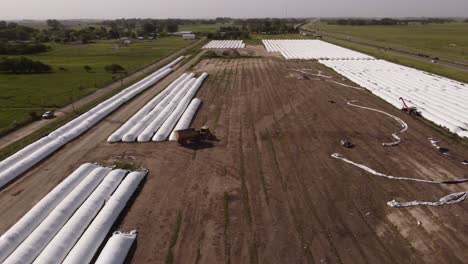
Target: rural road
{"points": [[23, 132]]}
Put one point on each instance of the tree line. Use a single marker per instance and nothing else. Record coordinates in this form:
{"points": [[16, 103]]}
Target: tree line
{"points": [[385, 21]]}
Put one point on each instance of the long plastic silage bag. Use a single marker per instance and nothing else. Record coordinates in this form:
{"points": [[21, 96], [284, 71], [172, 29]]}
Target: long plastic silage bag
{"points": [[62, 243], [187, 117], [32, 246], [148, 132], [116, 249], [23, 153], [118, 134], [166, 128], [10, 240], [136, 130], [85, 249], [27, 162]]}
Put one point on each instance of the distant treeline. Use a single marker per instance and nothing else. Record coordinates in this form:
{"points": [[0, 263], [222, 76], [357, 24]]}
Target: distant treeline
{"points": [[385, 21], [243, 27], [21, 48]]}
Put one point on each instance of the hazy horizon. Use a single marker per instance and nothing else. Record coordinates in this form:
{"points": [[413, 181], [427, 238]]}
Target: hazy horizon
{"points": [[107, 9]]}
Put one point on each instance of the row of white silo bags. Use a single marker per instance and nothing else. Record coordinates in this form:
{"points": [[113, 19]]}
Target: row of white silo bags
{"points": [[440, 100], [187, 117], [161, 112], [62, 243], [14, 236], [118, 134], [166, 110], [88, 244], [166, 128], [308, 49], [132, 133], [32, 246], [47, 233], [24, 159], [117, 247], [225, 44]]}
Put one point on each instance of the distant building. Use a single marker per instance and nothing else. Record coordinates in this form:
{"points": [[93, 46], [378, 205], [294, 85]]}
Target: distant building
{"points": [[181, 33], [189, 36]]}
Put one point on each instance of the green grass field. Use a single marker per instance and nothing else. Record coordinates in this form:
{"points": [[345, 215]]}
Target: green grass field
{"points": [[432, 38], [21, 94]]}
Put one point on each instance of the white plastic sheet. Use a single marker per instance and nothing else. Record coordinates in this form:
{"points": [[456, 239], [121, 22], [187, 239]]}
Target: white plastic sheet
{"points": [[10, 240], [88, 244], [66, 238], [187, 117], [32, 246], [440, 100], [116, 249], [225, 44], [309, 49]]}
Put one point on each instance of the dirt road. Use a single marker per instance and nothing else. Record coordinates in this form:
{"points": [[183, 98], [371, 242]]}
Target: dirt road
{"points": [[118, 85], [268, 190]]}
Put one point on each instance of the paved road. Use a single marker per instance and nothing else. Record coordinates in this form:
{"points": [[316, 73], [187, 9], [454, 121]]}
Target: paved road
{"points": [[94, 97]]}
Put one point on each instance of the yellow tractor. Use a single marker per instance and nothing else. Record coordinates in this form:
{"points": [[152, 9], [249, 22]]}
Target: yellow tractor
{"points": [[191, 135]]}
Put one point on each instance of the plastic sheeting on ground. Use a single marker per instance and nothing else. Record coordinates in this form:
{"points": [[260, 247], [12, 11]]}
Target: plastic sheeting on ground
{"points": [[86, 247], [32, 246], [187, 117], [116, 249], [452, 198], [308, 49], [363, 167], [399, 120], [439, 99], [166, 128], [66, 238], [10, 240], [225, 44], [23, 160]]}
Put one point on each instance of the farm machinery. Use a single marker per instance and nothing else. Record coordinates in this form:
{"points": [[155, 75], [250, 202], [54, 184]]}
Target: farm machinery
{"points": [[410, 110], [191, 135]]}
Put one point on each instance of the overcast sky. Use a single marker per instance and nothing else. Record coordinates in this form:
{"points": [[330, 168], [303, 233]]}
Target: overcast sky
{"points": [[72, 9]]}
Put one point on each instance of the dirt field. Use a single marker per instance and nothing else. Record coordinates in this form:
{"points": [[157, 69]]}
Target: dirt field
{"points": [[268, 190]]}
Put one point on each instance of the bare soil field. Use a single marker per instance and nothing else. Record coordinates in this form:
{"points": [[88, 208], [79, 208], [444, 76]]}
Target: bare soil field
{"points": [[268, 191]]}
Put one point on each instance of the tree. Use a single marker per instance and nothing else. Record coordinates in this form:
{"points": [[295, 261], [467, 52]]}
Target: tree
{"points": [[114, 68], [54, 24], [87, 68], [23, 65]]}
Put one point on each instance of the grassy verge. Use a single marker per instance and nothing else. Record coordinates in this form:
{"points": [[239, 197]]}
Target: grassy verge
{"points": [[23, 93], [425, 66]]}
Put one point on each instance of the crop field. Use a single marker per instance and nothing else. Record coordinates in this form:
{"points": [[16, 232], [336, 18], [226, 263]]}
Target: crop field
{"points": [[268, 190], [433, 39], [21, 94]]}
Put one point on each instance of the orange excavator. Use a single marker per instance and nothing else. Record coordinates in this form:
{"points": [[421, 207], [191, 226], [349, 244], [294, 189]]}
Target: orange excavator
{"points": [[410, 110]]}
